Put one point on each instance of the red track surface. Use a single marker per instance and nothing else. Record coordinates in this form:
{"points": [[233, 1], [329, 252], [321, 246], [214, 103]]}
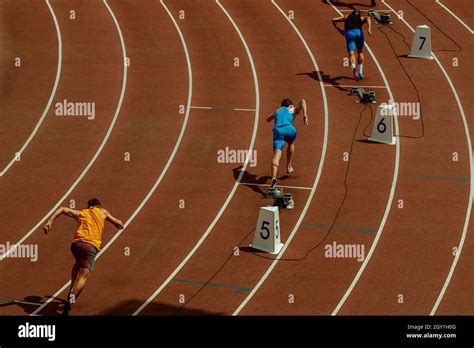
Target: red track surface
{"points": [[413, 250]]}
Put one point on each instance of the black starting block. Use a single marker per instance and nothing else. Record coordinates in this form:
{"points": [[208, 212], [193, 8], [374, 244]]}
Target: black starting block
{"points": [[365, 97], [274, 192], [281, 199], [381, 17]]}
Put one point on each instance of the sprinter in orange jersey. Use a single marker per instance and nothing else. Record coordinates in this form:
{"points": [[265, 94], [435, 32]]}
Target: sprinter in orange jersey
{"points": [[86, 243]]}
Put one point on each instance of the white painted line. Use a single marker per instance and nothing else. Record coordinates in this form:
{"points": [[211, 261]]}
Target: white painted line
{"points": [[390, 198], [51, 97], [471, 191], [318, 175], [249, 110], [89, 165], [201, 107], [355, 86], [456, 17], [268, 185], [211, 108], [344, 10], [165, 169], [236, 185]]}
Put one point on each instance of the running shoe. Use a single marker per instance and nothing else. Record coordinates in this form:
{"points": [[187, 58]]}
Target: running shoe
{"points": [[356, 75], [274, 183]]}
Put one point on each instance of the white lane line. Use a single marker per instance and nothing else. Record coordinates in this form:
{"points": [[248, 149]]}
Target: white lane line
{"points": [[165, 169], [392, 189], [236, 185], [456, 17], [201, 107], [318, 175], [51, 97], [268, 185], [354, 86], [223, 108], [239, 109], [89, 165], [471, 191]]}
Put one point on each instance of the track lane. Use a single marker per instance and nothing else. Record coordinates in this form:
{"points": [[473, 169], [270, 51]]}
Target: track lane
{"points": [[423, 222], [214, 261], [152, 237], [370, 165], [31, 37], [17, 155], [65, 147]]}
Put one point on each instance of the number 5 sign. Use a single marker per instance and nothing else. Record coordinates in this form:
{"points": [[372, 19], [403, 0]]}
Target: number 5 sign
{"points": [[267, 231], [421, 46], [382, 131]]}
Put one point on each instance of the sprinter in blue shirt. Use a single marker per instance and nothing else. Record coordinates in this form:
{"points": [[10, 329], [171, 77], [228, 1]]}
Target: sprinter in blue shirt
{"points": [[285, 132]]}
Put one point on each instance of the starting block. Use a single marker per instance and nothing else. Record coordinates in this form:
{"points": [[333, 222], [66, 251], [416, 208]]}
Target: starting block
{"points": [[274, 192], [267, 231], [281, 199], [381, 17], [364, 96]]}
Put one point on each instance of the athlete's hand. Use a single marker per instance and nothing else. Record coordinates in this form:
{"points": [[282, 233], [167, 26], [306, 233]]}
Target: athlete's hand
{"points": [[305, 120], [47, 227]]}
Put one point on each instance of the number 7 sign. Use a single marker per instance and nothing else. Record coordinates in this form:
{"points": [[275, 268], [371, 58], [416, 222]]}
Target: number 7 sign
{"points": [[421, 46]]}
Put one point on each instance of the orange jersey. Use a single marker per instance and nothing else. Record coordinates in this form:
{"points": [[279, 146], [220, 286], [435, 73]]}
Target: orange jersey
{"points": [[91, 227]]}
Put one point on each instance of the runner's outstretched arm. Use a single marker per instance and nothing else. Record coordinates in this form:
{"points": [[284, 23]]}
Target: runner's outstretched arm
{"points": [[302, 106], [113, 220], [338, 20], [369, 24], [63, 210], [270, 117]]}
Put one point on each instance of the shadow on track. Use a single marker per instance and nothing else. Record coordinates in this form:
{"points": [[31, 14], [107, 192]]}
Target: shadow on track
{"points": [[352, 5], [328, 79]]}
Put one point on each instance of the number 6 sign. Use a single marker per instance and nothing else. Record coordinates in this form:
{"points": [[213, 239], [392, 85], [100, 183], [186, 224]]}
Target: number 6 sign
{"points": [[382, 131]]}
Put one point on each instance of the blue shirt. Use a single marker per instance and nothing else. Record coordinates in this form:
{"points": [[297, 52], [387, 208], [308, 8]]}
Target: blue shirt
{"points": [[284, 117]]}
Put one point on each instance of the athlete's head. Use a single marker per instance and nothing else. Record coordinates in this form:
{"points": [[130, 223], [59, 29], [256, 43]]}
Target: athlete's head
{"points": [[356, 13], [286, 102], [93, 202]]}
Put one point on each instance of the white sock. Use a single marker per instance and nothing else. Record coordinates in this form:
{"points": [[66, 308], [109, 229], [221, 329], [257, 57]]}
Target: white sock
{"points": [[353, 66], [361, 67]]}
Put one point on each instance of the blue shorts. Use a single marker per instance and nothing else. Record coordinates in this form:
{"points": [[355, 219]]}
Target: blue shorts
{"points": [[354, 40], [283, 134]]}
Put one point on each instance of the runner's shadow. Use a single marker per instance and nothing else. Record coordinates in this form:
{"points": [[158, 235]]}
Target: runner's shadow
{"points": [[251, 179], [30, 308], [352, 5], [158, 309], [250, 250], [327, 79]]}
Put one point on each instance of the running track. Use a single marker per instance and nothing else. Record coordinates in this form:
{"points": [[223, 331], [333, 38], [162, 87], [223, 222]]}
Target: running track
{"points": [[189, 251]]}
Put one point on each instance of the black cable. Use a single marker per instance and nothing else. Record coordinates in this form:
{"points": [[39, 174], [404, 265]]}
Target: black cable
{"points": [[411, 81], [338, 209], [442, 32], [370, 121]]}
